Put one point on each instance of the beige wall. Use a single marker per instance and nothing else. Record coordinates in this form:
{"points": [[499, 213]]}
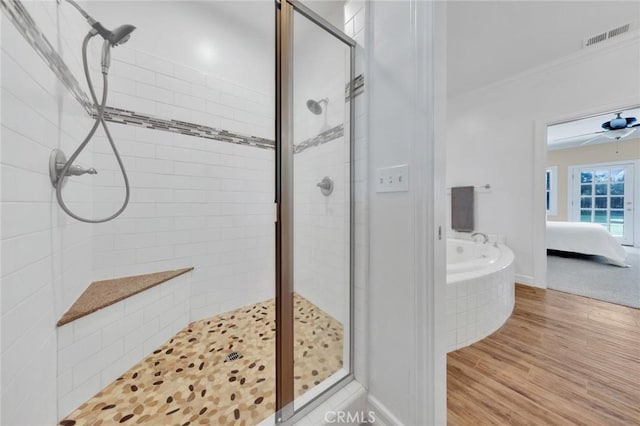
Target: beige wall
{"points": [[590, 154]]}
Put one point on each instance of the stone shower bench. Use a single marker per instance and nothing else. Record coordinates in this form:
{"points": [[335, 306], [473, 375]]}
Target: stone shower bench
{"points": [[112, 326], [101, 294]]}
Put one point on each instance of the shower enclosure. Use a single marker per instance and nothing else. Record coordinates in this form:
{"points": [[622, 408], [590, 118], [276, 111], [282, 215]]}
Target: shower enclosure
{"points": [[223, 291], [314, 194]]}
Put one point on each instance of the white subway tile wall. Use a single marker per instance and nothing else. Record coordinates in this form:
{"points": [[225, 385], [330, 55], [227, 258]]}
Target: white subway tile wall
{"points": [[194, 202], [41, 247], [321, 251], [156, 86], [94, 350]]}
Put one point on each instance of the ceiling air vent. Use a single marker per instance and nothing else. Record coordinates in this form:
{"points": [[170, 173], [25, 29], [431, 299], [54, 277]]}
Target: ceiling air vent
{"points": [[595, 39], [614, 32], [620, 30]]}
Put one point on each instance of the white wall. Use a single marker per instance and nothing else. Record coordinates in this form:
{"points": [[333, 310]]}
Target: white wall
{"points": [[406, 348], [491, 134], [46, 257]]}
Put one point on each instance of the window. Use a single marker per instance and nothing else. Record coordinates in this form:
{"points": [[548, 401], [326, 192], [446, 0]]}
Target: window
{"points": [[551, 186], [603, 194]]}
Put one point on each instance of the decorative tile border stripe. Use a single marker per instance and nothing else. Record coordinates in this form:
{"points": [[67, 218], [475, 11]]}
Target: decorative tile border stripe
{"points": [[123, 116], [358, 87], [322, 138], [24, 23]]}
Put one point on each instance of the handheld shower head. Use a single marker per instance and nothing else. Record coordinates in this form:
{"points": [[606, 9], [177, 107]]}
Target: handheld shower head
{"points": [[315, 106], [116, 37], [111, 38], [121, 34]]}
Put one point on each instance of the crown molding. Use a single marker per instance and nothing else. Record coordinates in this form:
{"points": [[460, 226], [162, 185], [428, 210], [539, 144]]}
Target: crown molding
{"points": [[609, 46]]}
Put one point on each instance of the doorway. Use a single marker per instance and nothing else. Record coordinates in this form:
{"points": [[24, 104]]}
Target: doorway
{"points": [[591, 221]]}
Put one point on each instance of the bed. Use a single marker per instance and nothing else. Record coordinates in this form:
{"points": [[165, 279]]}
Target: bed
{"points": [[585, 238]]}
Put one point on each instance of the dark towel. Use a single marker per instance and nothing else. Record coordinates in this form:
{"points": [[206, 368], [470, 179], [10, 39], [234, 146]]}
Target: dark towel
{"points": [[462, 208]]}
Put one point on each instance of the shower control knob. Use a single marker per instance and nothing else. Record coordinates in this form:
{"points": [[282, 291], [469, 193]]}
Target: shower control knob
{"points": [[78, 170], [326, 186], [57, 162]]}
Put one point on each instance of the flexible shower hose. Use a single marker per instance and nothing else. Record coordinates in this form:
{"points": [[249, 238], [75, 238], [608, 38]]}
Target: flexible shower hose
{"points": [[99, 120]]}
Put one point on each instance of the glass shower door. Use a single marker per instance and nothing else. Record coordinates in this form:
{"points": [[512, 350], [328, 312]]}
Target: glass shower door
{"points": [[314, 151]]}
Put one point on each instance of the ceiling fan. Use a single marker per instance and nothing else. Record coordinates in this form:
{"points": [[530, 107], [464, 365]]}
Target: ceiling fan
{"points": [[615, 129]]}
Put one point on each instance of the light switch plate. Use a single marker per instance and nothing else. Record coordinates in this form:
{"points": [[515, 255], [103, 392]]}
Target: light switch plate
{"points": [[393, 179]]}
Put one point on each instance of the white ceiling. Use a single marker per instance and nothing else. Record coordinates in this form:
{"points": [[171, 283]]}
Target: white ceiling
{"points": [[578, 132], [488, 41]]}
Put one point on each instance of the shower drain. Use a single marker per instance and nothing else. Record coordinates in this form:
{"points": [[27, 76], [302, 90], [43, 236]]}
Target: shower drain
{"points": [[233, 356]]}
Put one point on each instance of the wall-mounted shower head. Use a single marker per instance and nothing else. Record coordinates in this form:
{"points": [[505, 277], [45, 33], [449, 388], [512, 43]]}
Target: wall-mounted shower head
{"points": [[316, 106]]}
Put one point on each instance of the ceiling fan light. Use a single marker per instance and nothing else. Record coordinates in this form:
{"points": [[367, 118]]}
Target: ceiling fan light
{"points": [[619, 133], [618, 123]]}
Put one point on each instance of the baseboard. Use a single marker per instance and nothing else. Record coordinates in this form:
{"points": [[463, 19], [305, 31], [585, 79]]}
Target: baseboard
{"points": [[383, 416], [527, 280]]}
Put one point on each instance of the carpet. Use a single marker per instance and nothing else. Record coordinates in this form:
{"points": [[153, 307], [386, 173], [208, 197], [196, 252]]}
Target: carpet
{"points": [[591, 276]]}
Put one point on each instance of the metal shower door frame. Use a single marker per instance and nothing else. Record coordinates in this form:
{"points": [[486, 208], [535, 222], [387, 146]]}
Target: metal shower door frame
{"points": [[284, 268]]}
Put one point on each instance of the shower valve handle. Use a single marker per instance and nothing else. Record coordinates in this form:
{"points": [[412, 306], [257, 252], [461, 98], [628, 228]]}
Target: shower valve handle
{"points": [[58, 161], [78, 170], [326, 186]]}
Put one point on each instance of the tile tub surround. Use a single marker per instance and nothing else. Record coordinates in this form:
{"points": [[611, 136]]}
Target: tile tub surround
{"points": [[101, 294], [479, 306], [95, 349], [191, 378]]}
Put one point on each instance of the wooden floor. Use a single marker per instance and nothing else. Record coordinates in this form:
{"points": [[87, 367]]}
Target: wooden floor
{"points": [[560, 359]]}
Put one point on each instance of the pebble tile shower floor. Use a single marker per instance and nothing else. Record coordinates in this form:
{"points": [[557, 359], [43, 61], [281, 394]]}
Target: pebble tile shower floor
{"points": [[191, 380]]}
